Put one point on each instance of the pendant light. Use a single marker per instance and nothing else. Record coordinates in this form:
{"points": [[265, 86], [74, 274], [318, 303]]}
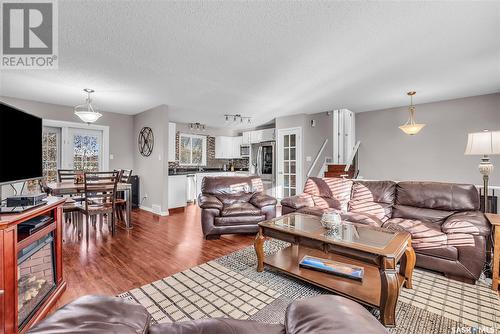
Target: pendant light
{"points": [[411, 127], [86, 111]]}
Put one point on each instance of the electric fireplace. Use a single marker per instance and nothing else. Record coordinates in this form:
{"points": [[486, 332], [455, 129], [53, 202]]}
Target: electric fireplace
{"points": [[35, 276]]}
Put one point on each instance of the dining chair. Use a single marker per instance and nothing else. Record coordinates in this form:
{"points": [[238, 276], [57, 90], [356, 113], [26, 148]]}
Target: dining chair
{"points": [[71, 208], [66, 175], [121, 203], [100, 198]]}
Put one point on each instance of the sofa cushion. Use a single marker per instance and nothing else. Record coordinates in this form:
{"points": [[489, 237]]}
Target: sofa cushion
{"points": [[314, 210], [330, 314], [217, 185], [423, 234], [438, 195], [373, 197], [336, 189], [298, 201], [240, 209], [238, 220], [240, 197], [96, 315], [444, 252], [217, 326], [413, 212], [470, 222]]}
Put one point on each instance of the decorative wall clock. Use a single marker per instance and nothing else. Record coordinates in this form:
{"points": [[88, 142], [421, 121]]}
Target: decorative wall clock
{"points": [[146, 141]]}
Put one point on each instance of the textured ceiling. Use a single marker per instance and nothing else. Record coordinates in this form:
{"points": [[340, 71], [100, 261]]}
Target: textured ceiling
{"points": [[266, 59]]}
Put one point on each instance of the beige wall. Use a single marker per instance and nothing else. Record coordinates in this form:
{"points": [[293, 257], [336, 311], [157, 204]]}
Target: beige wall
{"points": [[437, 152], [313, 137], [153, 170], [121, 140]]}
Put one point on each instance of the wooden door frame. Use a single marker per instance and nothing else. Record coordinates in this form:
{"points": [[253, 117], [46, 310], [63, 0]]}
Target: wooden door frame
{"points": [[299, 182]]}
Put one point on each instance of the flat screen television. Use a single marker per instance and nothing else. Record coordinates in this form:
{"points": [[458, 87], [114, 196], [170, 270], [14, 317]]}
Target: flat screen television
{"points": [[20, 145]]}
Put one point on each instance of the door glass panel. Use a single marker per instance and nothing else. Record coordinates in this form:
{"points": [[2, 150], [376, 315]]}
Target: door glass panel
{"points": [[287, 167], [292, 180], [287, 153], [292, 154], [292, 192], [197, 151], [292, 140], [86, 152], [286, 192], [286, 180], [292, 167], [287, 141], [50, 153]]}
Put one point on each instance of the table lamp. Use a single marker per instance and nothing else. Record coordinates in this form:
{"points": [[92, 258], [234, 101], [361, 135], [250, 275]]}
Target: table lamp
{"points": [[484, 143]]}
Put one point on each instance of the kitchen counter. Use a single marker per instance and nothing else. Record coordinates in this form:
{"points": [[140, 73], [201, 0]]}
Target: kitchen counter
{"points": [[183, 171]]}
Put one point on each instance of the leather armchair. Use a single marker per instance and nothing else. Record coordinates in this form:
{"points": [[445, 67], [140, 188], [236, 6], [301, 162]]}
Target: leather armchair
{"points": [[232, 204]]}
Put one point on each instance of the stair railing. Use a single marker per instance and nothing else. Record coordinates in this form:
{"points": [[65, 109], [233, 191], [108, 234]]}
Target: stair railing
{"points": [[353, 160], [317, 157]]}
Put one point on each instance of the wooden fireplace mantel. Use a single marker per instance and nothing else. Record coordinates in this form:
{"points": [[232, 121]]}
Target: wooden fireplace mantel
{"points": [[10, 243]]}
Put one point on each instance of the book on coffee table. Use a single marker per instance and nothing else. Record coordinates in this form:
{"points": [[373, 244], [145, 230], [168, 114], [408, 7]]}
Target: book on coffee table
{"points": [[332, 267]]}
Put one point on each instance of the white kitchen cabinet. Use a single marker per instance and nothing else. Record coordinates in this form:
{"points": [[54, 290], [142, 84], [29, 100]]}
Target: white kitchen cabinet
{"points": [[246, 138], [177, 190], [259, 136], [268, 135], [237, 141], [223, 148], [227, 147], [171, 141]]}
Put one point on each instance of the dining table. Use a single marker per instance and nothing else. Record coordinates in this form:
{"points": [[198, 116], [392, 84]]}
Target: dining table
{"points": [[71, 188]]}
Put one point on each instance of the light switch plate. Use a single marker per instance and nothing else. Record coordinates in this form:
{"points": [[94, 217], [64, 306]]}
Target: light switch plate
{"points": [[308, 158], [111, 156]]}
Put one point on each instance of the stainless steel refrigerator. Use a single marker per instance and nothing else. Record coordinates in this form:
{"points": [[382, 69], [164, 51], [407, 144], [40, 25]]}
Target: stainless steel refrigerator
{"points": [[263, 164]]}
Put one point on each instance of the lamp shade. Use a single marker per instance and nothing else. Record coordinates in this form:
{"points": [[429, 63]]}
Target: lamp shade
{"points": [[483, 143]]}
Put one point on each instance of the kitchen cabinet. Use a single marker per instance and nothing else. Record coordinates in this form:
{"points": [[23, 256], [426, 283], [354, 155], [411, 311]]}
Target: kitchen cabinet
{"points": [[172, 132], [259, 136], [245, 138], [177, 190], [227, 147]]}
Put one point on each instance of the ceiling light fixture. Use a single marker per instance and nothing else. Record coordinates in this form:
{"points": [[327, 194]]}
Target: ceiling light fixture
{"points": [[411, 127], [86, 111], [237, 118], [197, 126]]}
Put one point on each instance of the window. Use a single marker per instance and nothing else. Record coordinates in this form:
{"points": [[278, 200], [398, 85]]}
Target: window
{"points": [[192, 150], [51, 152]]}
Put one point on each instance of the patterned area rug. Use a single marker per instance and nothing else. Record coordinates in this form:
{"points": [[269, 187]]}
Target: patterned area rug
{"points": [[231, 287]]}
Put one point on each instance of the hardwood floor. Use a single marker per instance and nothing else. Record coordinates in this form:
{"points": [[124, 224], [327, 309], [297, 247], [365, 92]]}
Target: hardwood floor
{"points": [[157, 247]]}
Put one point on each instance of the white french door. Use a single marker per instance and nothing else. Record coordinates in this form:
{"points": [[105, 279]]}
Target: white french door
{"points": [[289, 176], [83, 149]]}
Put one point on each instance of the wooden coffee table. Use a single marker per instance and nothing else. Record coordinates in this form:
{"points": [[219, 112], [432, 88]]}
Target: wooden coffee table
{"points": [[377, 250]]}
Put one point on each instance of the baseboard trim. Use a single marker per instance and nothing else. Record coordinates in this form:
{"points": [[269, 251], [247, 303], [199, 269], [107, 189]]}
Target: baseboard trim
{"points": [[147, 208]]}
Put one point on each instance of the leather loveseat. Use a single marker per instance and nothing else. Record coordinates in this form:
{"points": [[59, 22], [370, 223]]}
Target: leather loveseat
{"points": [[233, 204], [107, 315], [449, 233]]}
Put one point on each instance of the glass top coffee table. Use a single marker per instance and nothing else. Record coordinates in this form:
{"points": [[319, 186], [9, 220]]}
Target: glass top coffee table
{"points": [[377, 250]]}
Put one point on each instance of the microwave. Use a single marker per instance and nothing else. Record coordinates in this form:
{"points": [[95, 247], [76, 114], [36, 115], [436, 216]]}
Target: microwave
{"points": [[245, 151]]}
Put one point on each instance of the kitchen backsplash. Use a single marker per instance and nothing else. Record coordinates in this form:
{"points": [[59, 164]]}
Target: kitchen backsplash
{"points": [[211, 161]]}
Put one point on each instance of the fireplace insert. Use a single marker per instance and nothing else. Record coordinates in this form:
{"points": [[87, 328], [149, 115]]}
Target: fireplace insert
{"points": [[35, 276]]}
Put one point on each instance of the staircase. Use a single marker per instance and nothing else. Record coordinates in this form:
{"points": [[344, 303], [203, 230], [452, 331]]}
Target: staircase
{"points": [[350, 170], [339, 171]]}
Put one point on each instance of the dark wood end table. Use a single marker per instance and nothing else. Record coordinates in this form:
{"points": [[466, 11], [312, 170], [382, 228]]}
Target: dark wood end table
{"points": [[494, 220]]}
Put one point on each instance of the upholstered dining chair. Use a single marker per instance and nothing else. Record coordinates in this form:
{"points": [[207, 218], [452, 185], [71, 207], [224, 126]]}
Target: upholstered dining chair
{"points": [[100, 198]]}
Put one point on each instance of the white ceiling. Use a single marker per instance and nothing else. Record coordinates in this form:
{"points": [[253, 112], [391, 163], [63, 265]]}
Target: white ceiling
{"points": [[266, 59]]}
